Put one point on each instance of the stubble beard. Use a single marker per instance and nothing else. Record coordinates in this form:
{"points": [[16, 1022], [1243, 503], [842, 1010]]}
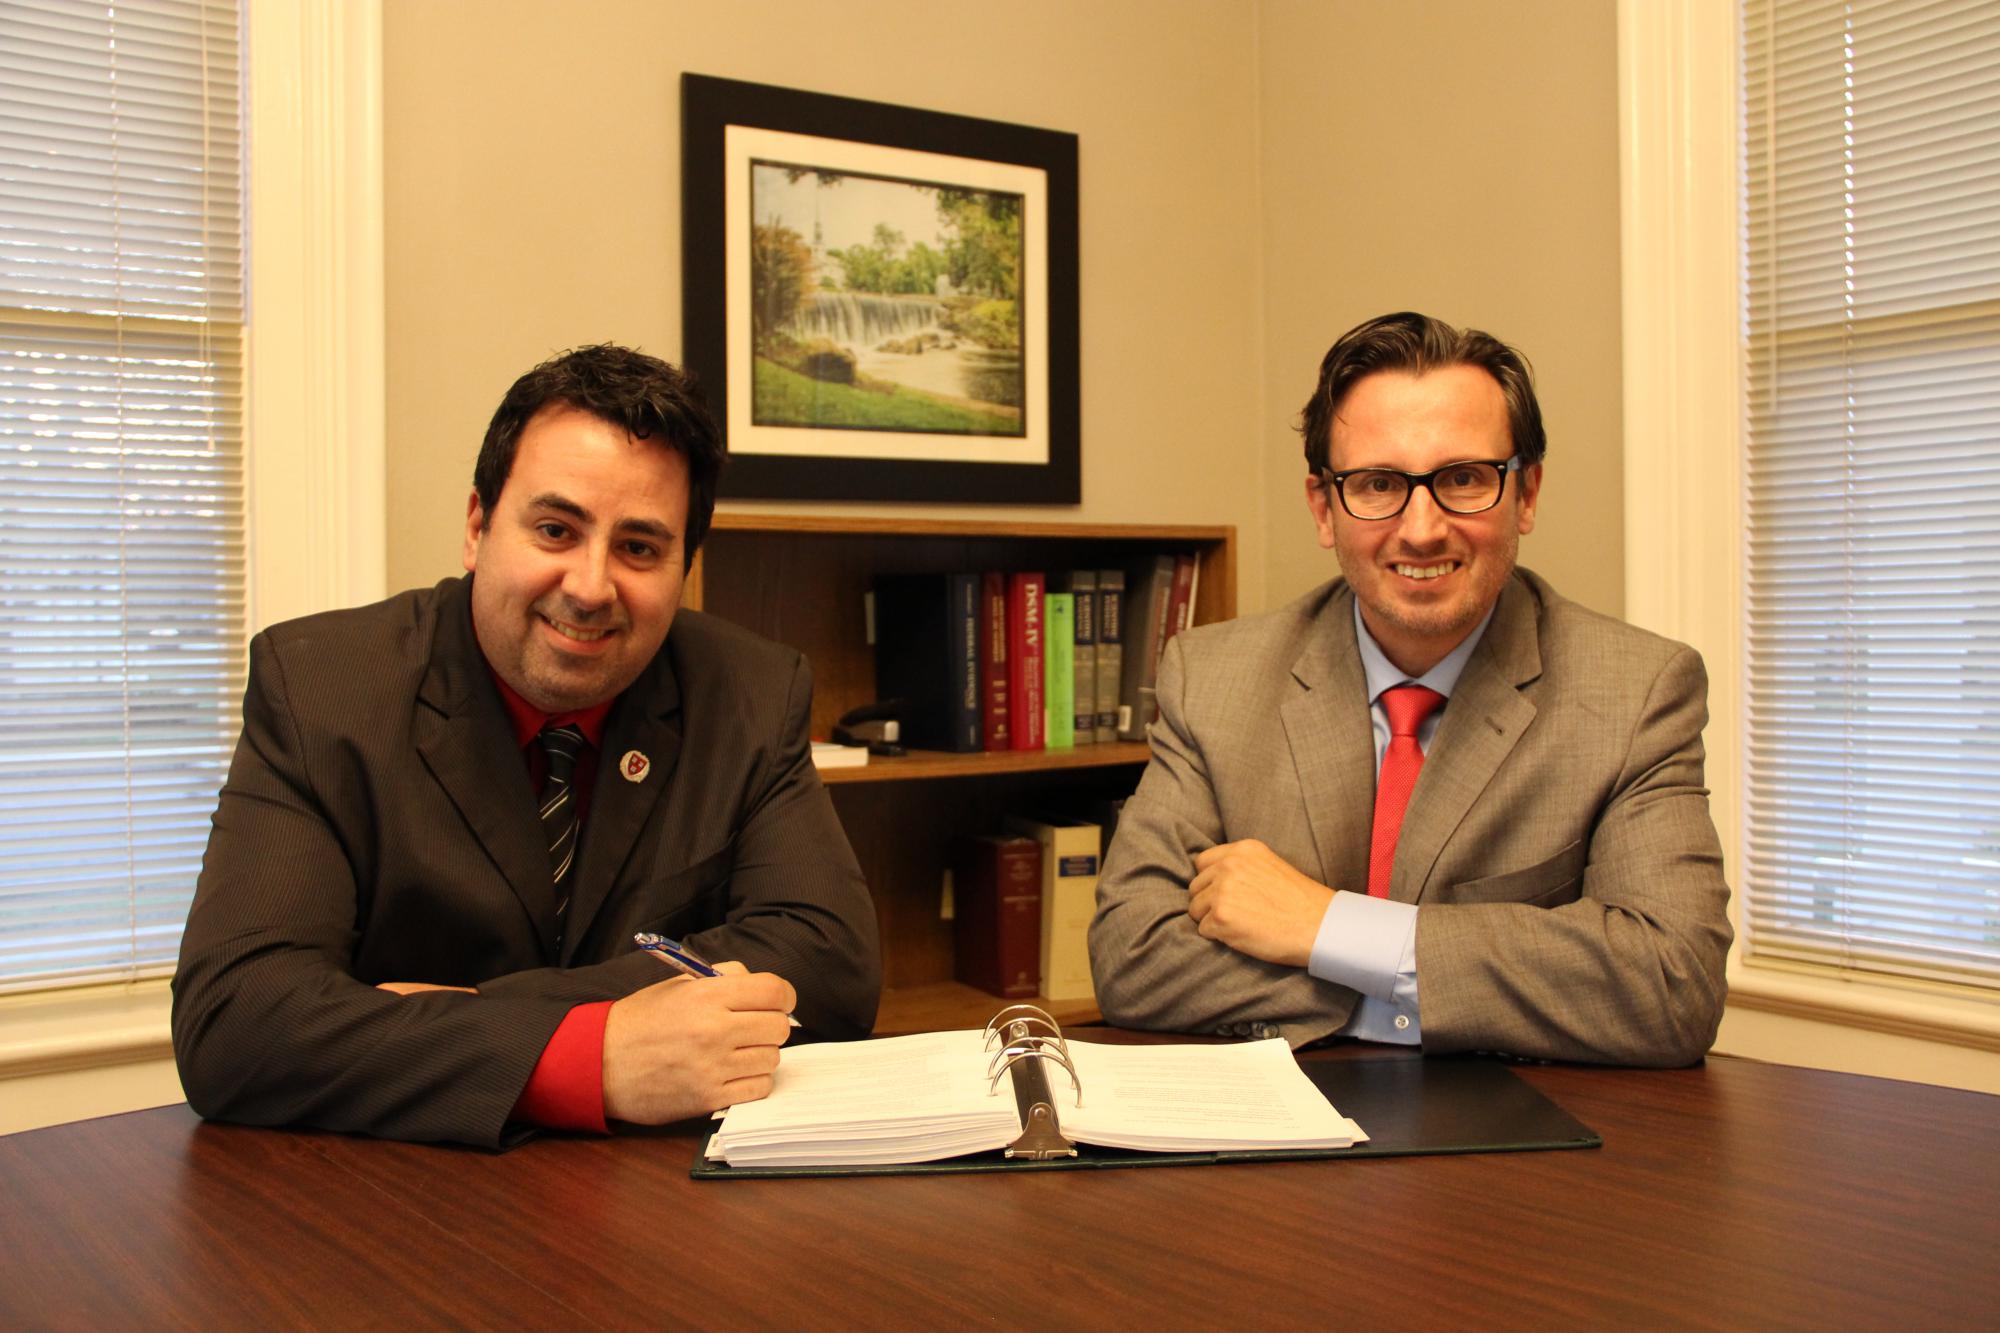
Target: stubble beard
{"points": [[556, 686], [1375, 587]]}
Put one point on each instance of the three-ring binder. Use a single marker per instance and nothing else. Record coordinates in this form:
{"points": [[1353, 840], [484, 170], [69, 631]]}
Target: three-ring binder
{"points": [[1027, 1040]]}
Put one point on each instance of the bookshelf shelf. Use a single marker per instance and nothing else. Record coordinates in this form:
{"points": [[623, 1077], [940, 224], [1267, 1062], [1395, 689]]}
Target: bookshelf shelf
{"points": [[928, 764], [946, 1006], [801, 579]]}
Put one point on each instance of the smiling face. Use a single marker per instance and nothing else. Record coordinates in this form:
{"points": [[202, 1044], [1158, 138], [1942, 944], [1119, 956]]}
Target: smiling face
{"points": [[1425, 577], [578, 569]]}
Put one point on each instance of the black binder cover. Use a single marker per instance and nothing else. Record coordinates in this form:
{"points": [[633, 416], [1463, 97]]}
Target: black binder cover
{"points": [[1408, 1103]]}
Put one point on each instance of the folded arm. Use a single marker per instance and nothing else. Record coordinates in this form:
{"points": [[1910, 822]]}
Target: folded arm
{"points": [[1153, 965], [1631, 971], [270, 1024]]}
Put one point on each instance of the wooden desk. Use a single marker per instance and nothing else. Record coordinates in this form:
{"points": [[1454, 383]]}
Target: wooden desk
{"points": [[1733, 1195]]}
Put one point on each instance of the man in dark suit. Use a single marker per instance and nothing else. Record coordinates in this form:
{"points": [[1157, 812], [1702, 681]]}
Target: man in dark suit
{"points": [[1431, 801], [449, 813]]}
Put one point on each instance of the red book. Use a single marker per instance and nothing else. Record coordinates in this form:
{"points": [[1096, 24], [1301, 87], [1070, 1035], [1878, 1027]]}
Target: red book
{"points": [[993, 660], [1024, 662], [1180, 604], [997, 913]]}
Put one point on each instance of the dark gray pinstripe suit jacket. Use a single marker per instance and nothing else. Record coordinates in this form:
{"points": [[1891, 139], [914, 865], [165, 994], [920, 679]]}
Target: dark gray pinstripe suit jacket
{"points": [[377, 825]]}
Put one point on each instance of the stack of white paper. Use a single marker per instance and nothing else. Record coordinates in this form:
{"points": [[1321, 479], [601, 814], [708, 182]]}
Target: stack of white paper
{"points": [[927, 1097]]}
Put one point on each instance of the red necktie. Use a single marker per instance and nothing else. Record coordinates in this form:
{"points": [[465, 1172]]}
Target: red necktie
{"points": [[1407, 707]]}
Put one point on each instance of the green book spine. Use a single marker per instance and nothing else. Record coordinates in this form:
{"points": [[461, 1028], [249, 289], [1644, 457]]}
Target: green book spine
{"points": [[1059, 668]]}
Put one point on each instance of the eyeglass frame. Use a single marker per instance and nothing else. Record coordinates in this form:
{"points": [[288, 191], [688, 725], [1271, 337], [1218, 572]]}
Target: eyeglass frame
{"points": [[1332, 481]]}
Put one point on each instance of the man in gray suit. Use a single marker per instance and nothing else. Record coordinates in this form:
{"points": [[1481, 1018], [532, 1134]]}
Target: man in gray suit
{"points": [[450, 812], [1431, 801]]}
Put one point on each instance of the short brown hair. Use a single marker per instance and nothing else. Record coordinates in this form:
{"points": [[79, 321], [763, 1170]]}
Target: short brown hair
{"points": [[1416, 344]]}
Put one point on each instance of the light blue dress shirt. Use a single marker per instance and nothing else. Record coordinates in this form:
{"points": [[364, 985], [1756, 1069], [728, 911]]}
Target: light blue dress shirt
{"points": [[1369, 943]]}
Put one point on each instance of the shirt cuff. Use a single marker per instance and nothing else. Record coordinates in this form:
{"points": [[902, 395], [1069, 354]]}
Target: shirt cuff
{"points": [[566, 1091], [1365, 943]]}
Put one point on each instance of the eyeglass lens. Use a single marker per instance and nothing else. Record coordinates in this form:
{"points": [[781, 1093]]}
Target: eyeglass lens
{"points": [[1465, 488]]}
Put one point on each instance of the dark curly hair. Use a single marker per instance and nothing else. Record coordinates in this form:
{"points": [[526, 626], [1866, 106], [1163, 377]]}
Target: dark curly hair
{"points": [[1416, 344], [649, 398]]}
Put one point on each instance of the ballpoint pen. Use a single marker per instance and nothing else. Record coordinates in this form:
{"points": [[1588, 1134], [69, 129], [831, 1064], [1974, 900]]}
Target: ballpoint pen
{"points": [[683, 958]]}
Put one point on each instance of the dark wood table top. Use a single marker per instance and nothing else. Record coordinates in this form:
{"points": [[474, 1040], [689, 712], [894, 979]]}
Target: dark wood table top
{"points": [[1730, 1195]]}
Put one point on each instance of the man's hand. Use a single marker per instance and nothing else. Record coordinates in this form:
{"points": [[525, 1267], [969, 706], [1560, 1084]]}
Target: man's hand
{"points": [[690, 1045], [1250, 899], [415, 987]]}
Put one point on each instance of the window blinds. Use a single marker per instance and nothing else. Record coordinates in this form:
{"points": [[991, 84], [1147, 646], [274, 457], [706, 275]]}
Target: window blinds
{"points": [[1872, 212], [121, 460]]}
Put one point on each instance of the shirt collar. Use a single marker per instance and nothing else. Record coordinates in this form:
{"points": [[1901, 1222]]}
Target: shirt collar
{"points": [[528, 720], [1385, 675]]}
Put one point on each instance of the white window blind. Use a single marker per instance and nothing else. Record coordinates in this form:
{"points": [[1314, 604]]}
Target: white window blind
{"points": [[1872, 212], [121, 561]]}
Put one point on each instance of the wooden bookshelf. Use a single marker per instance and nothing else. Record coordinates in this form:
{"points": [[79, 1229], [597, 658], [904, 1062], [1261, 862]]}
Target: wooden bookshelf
{"points": [[946, 1006], [943, 764], [801, 579]]}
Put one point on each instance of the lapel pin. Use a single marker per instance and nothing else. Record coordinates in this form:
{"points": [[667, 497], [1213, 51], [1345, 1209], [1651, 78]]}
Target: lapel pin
{"points": [[635, 766]]}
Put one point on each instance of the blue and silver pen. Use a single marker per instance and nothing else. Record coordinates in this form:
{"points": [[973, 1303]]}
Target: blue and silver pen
{"points": [[683, 958]]}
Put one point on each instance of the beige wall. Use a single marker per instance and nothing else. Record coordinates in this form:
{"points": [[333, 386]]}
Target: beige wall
{"points": [[533, 202], [1254, 179], [1460, 159]]}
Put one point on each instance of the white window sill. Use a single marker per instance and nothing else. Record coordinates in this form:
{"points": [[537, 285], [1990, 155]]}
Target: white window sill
{"points": [[49, 1032], [1910, 1010]]}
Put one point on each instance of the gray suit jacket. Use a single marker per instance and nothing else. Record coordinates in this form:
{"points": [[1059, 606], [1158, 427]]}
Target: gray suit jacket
{"points": [[378, 825], [1558, 843]]}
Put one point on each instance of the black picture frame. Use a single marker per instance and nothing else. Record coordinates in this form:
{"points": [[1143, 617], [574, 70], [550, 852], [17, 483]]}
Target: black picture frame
{"points": [[877, 464]]}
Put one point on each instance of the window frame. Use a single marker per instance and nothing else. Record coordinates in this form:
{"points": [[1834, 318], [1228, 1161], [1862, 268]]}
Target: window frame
{"points": [[314, 524], [1681, 201]]}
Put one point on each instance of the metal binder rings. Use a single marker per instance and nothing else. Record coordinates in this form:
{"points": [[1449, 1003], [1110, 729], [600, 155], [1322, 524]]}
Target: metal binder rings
{"points": [[1027, 1038]]}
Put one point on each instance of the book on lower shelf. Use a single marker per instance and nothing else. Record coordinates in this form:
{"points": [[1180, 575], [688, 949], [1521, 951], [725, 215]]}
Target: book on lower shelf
{"points": [[997, 913], [1070, 853], [1031, 1097]]}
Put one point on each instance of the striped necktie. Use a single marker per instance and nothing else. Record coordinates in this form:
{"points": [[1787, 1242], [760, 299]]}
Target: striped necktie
{"points": [[560, 746]]}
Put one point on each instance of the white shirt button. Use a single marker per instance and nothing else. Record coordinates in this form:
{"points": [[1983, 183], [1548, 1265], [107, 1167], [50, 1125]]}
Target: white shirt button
{"points": [[1402, 1021]]}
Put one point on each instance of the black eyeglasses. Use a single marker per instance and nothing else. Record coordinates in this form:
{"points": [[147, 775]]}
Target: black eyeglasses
{"points": [[1470, 487]]}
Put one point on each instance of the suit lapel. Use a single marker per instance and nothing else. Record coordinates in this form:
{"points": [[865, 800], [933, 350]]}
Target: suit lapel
{"points": [[646, 722], [461, 732], [1486, 717], [1333, 745]]}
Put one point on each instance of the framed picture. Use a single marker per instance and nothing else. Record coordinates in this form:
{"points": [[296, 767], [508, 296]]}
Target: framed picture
{"points": [[880, 302]]}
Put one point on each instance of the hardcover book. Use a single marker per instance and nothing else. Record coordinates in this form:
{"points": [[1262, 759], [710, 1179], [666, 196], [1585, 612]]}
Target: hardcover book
{"points": [[927, 653], [1150, 602], [1059, 674], [997, 913], [1069, 899], [1024, 661], [1110, 649], [1083, 587], [993, 708], [1180, 609]]}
